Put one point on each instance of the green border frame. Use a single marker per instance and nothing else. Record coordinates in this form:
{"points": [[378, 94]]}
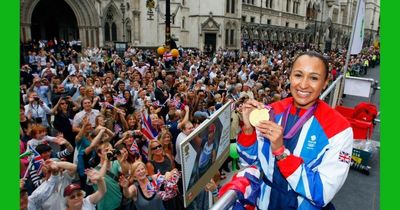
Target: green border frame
{"points": [[10, 95], [389, 77]]}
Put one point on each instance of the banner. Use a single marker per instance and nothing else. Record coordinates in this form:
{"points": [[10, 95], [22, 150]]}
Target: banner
{"points": [[202, 153], [358, 35]]}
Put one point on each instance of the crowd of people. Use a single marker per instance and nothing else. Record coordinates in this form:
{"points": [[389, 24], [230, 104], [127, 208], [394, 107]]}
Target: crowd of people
{"points": [[102, 129]]}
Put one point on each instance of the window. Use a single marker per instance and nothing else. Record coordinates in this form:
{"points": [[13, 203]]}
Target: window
{"points": [[287, 24], [107, 32], [244, 18], [252, 19], [287, 5], [227, 5], [113, 32], [294, 7], [232, 37], [226, 37], [183, 2], [173, 19], [269, 21], [252, 2], [183, 23], [296, 25], [233, 6], [270, 3]]}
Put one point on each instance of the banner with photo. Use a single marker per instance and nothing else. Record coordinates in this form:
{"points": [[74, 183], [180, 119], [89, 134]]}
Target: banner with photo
{"points": [[203, 152]]}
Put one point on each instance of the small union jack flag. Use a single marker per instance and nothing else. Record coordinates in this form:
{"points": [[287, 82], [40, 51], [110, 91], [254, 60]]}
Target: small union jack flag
{"points": [[135, 148], [344, 157], [37, 161]]}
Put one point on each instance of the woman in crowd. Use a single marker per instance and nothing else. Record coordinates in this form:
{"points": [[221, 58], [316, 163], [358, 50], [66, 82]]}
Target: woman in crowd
{"points": [[143, 197], [75, 196], [64, 112], [165, 139]]}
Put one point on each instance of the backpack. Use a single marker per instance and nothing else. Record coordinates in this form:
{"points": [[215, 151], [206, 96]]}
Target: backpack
{"points": [[365, 112]]}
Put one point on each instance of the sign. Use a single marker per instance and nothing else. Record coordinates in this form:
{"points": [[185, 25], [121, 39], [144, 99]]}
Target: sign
{"points": [[204, 151], [357, 87]]}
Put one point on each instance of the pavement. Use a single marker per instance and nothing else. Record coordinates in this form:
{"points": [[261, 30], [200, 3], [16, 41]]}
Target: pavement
{"points": [[360, 191]]}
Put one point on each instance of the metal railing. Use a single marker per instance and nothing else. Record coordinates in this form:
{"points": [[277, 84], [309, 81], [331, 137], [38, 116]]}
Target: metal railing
{"points": [[226, 201]]}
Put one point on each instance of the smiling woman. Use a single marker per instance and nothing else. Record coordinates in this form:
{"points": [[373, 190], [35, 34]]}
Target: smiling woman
{"points": [[307, 144], [308, 78]]}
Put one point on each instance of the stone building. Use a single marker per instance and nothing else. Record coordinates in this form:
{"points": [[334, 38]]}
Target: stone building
{"points": [[195, 23]]}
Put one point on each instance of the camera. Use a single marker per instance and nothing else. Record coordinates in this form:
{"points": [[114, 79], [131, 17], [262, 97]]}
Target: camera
{"points": [[113, 155], [38, 120], [36, 99]]}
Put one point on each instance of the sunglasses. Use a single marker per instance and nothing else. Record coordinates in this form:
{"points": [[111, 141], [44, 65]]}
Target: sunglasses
{"points": [[77, 195], [156, 147]]}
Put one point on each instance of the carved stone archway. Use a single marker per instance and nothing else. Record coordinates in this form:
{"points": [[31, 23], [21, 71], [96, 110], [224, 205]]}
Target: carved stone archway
{"points": [[86, 16]]}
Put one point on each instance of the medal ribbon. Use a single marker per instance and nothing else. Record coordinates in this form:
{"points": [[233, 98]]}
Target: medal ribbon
{"points": [[303, 119]]}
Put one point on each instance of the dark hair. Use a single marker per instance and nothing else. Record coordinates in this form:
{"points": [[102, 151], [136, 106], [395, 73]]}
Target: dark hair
{"points": [[317, 55]]}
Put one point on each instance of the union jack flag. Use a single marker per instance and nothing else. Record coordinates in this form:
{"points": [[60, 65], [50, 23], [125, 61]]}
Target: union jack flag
{"points": [[247, 185], [119, 100], [147, 128], [134, 148], [344, 157], [167, 56], [36, 161]]}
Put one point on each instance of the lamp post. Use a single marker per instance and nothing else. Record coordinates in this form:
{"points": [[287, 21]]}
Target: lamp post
{"points": [[372, 27], [168, 24], [320, 25], [122, 7], [315, 23]]}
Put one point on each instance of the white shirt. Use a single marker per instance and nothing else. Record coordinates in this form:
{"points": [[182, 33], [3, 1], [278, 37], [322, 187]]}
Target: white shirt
{"points": [[80, 115], [179, 139], [42, 193]]}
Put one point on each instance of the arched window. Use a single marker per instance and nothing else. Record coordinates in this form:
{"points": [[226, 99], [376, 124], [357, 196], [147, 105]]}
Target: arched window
{"points": [[113, 32], [107, 32]]}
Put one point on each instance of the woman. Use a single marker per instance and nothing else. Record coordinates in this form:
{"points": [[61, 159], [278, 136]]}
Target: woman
{"points": [[129, 102], [143, 197], [74, 195], [165, 139], [89, 93], [307, 159], [159, 161], [64, 112], [86, 142]]}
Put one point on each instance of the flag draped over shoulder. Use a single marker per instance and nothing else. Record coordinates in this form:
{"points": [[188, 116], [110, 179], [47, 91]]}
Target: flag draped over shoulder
{"points": [[358, 36]]}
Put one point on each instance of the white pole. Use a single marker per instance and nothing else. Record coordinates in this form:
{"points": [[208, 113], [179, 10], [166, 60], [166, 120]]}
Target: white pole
{"points": [[348, 50]]}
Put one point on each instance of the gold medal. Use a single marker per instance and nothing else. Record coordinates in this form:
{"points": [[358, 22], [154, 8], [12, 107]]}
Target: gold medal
{"points": [[258, 115]]}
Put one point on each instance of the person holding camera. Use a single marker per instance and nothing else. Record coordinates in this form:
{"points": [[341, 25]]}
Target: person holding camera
{"points": [[86, 143], [36, 110], [41, 88], [60, 92], [116, 165]]}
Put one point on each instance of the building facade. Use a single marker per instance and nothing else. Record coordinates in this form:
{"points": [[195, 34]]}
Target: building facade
{"points": [[194, 23]]}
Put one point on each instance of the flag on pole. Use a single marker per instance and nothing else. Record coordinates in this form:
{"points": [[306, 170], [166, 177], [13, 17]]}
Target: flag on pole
{"points": [[37, 161], [358, 36]]}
